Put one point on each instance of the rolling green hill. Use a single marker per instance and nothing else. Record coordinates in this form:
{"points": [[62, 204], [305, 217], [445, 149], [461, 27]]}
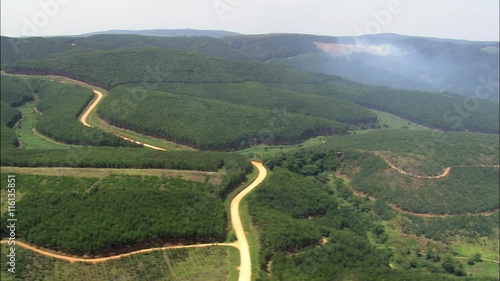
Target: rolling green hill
{"points": [[208, 124], [258, 95], [156, 68], [19, 49]]}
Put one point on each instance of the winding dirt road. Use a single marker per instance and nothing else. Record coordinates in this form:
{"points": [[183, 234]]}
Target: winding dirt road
{"points": [[241, 243], [87, 112], [83, 119], [71, 259], [245, 259], [445, 173]]}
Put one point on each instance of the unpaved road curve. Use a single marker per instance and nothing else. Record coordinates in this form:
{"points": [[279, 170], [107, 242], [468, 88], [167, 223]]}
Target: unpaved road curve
{"points": [[104, 259], [85, 115], [83, 119], [245, 260], [445, 173]]}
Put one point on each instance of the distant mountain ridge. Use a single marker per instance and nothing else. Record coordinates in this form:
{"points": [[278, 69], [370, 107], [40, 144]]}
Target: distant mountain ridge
{"points": [[457, 67], [168, 32]]}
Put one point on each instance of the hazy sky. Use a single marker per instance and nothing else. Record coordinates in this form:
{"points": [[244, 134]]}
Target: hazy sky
{"points": [[459, 19]]}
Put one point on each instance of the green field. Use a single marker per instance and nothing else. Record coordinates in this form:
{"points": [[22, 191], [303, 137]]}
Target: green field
{"points": [[394, 122], [201, 176], [212, 263], [25, 131]]}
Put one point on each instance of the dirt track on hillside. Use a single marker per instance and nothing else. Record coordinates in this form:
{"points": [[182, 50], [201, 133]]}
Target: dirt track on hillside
{"points": [[71, 259], [245, 259], [85, 115], [83, 119], [445, 173]]}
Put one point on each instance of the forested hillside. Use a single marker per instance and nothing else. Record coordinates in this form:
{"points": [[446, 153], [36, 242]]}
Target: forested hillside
{"points": [[439, 111], [71, 216], [425, 152], [15, 91], [108, 69], [156, 68], [466, 189], [209, 124], [19, 49], [352, 192], [258, 95]]}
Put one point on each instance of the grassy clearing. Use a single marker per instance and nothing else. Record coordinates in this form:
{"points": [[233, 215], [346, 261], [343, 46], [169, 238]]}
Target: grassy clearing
{"points": [[482, 269], [258, 151], [488, 247], [234, 260], [394, 122], [212, 263], [27, 137], [210, 177]]}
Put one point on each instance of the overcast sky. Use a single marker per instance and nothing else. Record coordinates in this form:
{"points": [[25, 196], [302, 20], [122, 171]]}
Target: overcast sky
{"points": [[459, 19]]}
